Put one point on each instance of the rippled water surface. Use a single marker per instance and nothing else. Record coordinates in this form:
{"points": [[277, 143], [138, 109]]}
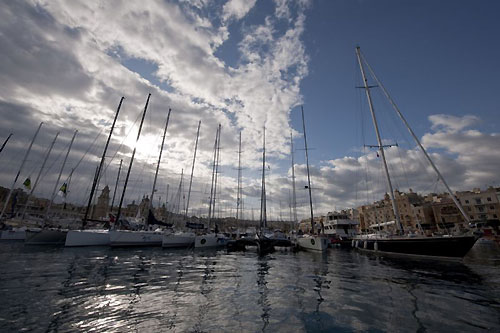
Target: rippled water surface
{"points": [[153, 290]]}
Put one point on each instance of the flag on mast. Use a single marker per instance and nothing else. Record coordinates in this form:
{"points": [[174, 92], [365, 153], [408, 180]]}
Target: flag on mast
{"points": [[63, 190], [27, 183]]}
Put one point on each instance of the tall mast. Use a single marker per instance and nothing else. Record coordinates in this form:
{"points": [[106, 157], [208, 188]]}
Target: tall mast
{"points": [[132, 161], [192, 167], [294, 196], [217, 172], [386, 93], [263, 208], [116, 185], [308, 174], [39, 174], [93, 189], [158, 165], [180, 192], [59, 178], [238, 199], [19, 172], [166, 205], [69, 182], [379, 140], [213, 177], [92, 207], [5, 142]]}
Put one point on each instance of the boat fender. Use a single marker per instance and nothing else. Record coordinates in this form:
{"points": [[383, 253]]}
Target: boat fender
{"points": [[353, 243], [365, 244], [375, 246], [357, 243]]}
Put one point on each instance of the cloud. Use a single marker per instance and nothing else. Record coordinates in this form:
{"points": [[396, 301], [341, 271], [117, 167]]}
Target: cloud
{"points": [[282, 9], [452, 123], [466, 159], [68, 64], [237, 9]]}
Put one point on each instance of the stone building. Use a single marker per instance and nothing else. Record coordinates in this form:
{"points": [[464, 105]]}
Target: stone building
{"points": [[102, 207], [131, 210], [414, 211], [435, 211], [481, 206], [144, 207], [305, 224]]}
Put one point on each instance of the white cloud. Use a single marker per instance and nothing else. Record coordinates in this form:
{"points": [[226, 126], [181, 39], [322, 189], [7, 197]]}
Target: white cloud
{"points": [[282, 9], [466, 158], [237, 9], [63, 64], [452, 123]]}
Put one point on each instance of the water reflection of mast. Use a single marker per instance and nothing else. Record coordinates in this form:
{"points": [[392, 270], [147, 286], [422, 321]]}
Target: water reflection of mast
{"points": [[180, 273], [263, 270], [206, 289], [320, 272], [421, 327]]}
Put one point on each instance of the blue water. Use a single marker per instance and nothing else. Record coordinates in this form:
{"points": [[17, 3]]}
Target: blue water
{"points": [[46, 289]]}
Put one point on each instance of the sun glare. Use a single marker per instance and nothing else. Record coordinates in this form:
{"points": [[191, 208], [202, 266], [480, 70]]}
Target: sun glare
{"points": [[147, 147]]}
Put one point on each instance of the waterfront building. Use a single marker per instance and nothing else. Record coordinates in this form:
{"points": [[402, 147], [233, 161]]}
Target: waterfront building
{"points": [[102, 207], [434, 212], [481, 206], [414, 210], [144, 207], [305, 224], [131, 210]]}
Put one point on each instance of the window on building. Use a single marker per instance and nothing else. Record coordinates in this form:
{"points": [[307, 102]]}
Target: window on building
{"points": [[495, 216], [468, 208], [472, 217], [489, 199], [480, 208], [492, 207], [478, 200], [466, 201]]}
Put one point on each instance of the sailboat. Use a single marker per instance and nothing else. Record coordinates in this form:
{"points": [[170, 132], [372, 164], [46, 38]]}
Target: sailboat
{"points": [[316, 239], [183, 238], [50, 235], [146, 237], [93, 237], [436, 246], [265, 244], [3, 214], [212, 239]]}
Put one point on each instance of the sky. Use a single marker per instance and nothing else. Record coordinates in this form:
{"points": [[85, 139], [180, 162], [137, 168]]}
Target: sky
{"points": [[250, 65]]}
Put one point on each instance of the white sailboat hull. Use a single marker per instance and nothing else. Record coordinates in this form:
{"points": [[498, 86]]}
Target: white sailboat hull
{"points": [[46, 237], [87, 238], [314, 243], [135, 238], [18, 235], [185, 239], [211, 240]]}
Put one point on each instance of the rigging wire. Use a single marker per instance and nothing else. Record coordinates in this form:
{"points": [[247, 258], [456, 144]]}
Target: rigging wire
{"points": [[403, 167]]}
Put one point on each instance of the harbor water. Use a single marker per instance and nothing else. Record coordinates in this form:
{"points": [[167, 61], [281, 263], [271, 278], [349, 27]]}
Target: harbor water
{"points": [[49, 289]]}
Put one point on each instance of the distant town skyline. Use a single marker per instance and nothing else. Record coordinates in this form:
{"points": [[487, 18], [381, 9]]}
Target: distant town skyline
{"points": [[246, 65]]}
